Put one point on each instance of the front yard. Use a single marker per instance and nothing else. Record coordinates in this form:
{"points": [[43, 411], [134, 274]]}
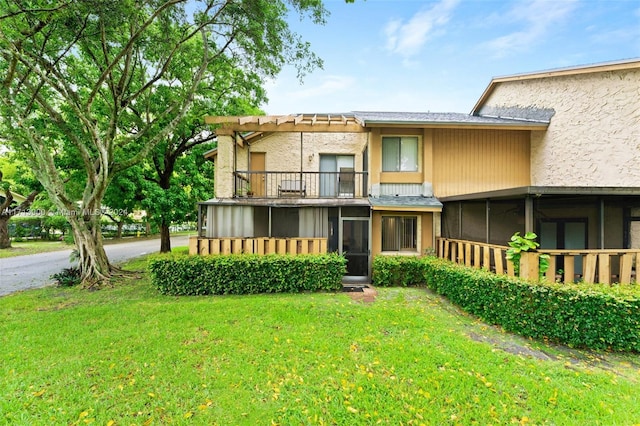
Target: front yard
{"points": [[128, 355]]}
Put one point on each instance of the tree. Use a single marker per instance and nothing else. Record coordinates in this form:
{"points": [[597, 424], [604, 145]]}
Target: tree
{"points": [[79, 77], [177, 176], [8, 206], [123, 196], [175, 185]]}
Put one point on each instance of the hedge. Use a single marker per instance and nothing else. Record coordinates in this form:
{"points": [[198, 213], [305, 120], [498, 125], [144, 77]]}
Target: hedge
{"points": [[576, 315], [246, 273]]}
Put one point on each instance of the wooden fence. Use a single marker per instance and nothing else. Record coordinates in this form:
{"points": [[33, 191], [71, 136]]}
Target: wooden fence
{"points": [[205, 246], [591, 266]]}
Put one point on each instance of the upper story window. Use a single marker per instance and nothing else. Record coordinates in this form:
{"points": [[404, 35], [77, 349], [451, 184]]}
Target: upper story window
{"points": [[399, 153]]}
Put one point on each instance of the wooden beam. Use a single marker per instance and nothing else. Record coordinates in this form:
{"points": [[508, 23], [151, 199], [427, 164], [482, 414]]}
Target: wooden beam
{"points": [[284, 119], [290, 127]]}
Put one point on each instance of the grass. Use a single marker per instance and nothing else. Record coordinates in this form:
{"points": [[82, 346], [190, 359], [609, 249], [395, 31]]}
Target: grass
{"points": [[126, 355], [33, 247], [39, 246]]}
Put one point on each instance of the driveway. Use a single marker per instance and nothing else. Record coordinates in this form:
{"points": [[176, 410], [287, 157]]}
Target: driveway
{"points": [[33, 271]]}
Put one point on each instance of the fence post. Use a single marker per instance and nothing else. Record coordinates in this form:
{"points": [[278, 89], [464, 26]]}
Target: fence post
{"points": [[530, 266]]}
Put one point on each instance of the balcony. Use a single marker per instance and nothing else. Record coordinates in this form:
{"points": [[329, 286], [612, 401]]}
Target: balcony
{"points": [[346, 183]]}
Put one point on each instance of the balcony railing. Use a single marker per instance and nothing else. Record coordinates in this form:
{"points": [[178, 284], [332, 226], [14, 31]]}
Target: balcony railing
{"points": [[343, 184], [574, 265]]}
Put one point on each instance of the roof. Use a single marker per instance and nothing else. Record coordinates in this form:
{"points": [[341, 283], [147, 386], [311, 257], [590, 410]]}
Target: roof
{"points": [[362, 121], [439, 119], [17, 198], [624, 64], [541, 191], [394, 203], [211, 154], [409, 203]]}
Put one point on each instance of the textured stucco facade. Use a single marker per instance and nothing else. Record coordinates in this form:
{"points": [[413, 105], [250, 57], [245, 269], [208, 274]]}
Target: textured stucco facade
{"points": [[295, 151], [593, 139]]}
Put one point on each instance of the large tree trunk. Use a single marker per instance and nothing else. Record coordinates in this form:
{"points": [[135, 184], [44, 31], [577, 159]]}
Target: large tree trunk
{"points": [[120, 225], [5, 241], [92, 258], [165, 237]]}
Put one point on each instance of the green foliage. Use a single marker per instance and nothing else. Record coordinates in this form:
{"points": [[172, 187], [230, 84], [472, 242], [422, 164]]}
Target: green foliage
{"points": [[91, 88], [570, 314], [526, 243], [402, 271], [25, 227], [246, 274], [68, 277]]}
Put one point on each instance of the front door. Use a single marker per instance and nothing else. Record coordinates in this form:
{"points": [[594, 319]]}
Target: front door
{"points": [[355, 246], [257, 164]]}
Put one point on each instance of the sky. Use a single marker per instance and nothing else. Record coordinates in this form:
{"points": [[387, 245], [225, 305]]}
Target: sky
{"points": [[439, 56]]}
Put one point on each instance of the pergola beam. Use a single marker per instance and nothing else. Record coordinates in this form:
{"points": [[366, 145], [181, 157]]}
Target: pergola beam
{"points": [[285, 123]]}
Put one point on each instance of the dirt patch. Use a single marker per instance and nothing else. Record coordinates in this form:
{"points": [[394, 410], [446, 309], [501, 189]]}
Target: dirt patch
{"points": [[362, 293]]}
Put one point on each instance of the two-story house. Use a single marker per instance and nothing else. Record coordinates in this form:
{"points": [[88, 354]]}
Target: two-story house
{"points": [[552, 152]]}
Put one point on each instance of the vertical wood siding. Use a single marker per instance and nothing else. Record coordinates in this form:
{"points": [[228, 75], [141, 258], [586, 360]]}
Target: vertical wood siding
{"points": [[470, 161]]}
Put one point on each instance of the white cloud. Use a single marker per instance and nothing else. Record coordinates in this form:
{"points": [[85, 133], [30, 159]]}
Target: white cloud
{"points": [[328, 85], [538, 17], [407, 38], [313, 96]]}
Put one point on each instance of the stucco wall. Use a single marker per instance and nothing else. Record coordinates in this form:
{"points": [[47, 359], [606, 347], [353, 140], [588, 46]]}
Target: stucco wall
{"points": [[285, 152], [594, 136], [223, 183]]}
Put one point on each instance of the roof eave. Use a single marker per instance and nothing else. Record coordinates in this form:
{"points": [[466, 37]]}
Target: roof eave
{"points": [[514, 125]]}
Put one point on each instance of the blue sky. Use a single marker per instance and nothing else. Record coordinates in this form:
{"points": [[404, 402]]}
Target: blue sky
{"points": [[439, 56]]}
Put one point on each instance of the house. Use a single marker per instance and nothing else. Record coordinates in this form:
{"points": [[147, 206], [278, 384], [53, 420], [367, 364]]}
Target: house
{"points": [[17, 198], [555, 152]]}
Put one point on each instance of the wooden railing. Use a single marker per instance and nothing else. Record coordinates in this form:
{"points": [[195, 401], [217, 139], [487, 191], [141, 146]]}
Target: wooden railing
{"points": [[205, 246], [590, 266], [478, 255]]}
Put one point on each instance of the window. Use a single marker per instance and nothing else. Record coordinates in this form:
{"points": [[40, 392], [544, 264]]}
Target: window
{"points": [[285, 222], [400, 154], [399, 233]]}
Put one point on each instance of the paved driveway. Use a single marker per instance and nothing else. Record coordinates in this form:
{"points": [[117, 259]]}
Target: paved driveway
{"points": [[33, 271]]}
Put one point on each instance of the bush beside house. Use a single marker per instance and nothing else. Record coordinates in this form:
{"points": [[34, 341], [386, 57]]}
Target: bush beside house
{"points": [[246, 274], [576, 315]]}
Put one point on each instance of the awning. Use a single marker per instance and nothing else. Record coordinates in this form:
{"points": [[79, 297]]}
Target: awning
{"points": [[405, 203]]}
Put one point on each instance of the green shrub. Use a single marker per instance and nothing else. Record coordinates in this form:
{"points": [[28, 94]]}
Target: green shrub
{"points": [[597, 318], [68, 277], [246, 274], [389, 271]]}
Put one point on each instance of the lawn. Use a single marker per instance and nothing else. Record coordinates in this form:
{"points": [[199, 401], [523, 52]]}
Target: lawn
{"points": [[33, 247], [21, 248], [127, 355]]}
